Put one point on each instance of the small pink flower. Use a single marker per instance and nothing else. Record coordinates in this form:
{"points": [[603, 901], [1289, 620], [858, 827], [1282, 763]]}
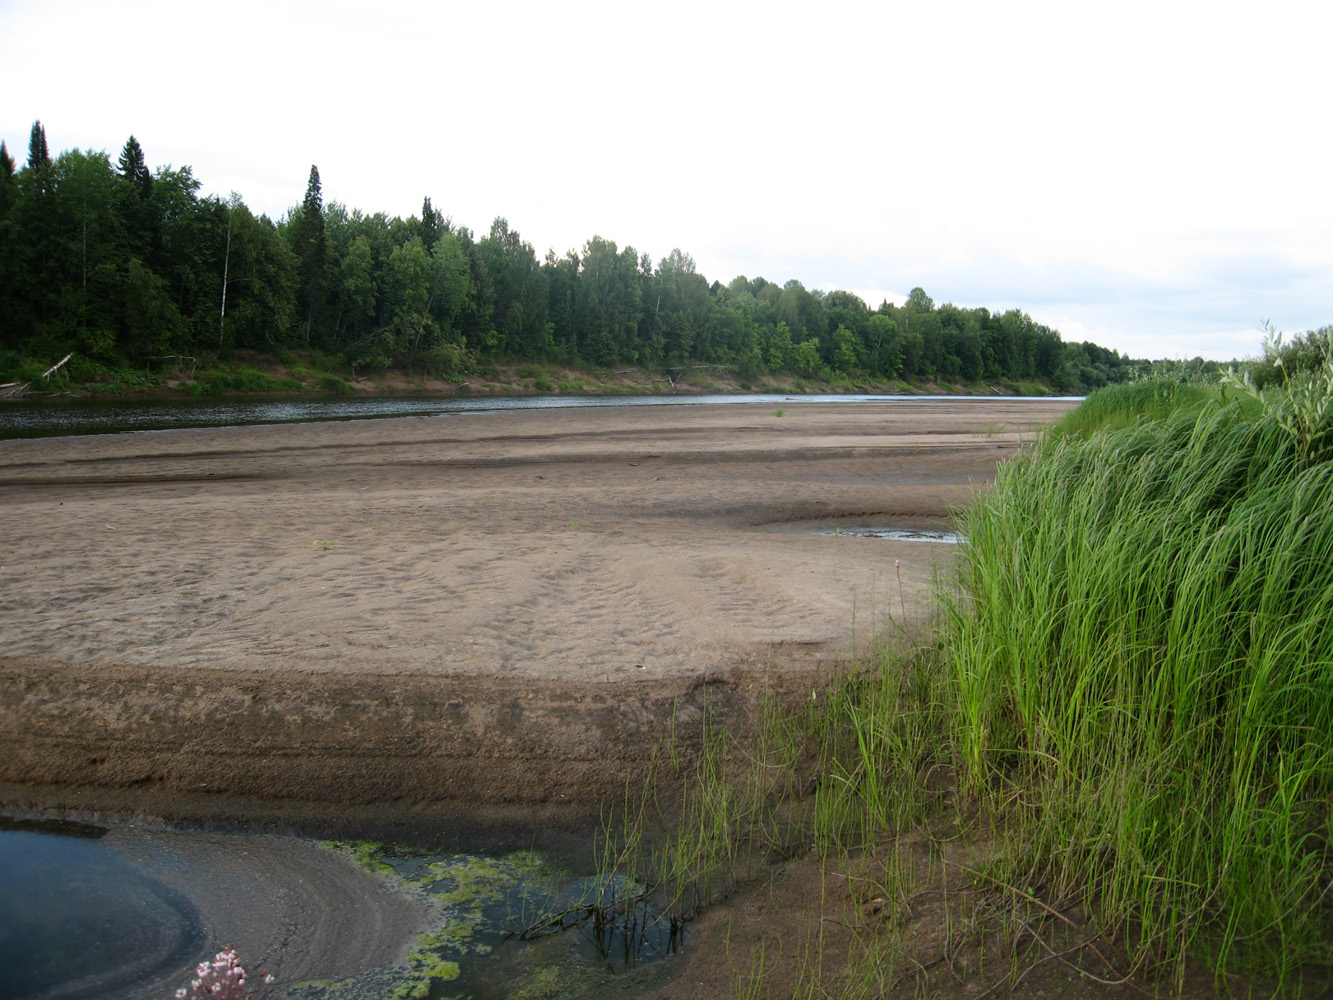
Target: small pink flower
{"points": [[224, 979]]}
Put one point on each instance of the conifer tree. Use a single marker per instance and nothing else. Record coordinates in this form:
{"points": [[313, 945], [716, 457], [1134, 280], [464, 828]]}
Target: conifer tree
{"points": [[134, 169], [38, 155], [310, 249], [314, 197], [135, 205], [39, 161]]}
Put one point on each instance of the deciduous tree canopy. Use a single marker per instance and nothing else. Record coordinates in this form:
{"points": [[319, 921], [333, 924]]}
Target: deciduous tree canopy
{"points": [[124, 263]]}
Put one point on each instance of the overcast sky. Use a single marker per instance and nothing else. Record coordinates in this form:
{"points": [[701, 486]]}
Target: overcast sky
{"points": [[1151, 176]]}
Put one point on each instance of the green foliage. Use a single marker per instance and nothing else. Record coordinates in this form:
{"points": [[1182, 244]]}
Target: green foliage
{"points": [[38, 154], [151, 323], [218, 381], [519, 286], [1142, 656], [432, 224], [407, 296], [110, 260], [1303, 406], [1306, 354], [15, 367], [1196, 371], [119, 381], [805, 359], [446, 360], [333, 384], [134, 169]]}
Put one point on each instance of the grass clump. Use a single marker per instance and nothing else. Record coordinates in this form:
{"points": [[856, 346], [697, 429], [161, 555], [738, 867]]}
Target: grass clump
{"points": [[828, 774], [219, 381], [335, 385], [1143, 666], [1128, 404]]}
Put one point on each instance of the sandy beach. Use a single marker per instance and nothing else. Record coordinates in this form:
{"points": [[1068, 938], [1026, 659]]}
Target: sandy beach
{"points": [[469, 616]]}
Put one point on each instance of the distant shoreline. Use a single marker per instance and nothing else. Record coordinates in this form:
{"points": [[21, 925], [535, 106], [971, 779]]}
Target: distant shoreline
{"points": [[248, 374]]}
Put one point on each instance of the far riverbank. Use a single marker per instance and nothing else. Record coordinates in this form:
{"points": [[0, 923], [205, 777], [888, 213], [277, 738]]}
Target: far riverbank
{"points": [[238, 374]]}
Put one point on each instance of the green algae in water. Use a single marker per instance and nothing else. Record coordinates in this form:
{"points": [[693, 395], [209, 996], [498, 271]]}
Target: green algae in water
{"points": [[368, 854], [513, 926]]}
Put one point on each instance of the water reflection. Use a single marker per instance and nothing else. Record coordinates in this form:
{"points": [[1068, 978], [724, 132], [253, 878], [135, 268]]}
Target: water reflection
{"points": [[77, 919], [897, 534]]}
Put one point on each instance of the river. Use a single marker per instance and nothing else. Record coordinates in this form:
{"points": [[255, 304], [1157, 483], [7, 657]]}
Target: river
{"points": [[53, 417]]}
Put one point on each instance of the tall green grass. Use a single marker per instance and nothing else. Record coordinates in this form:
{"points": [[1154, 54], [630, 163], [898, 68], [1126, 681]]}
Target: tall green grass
{"points": [[1128, 405], [1142, 657], [848, 767]]}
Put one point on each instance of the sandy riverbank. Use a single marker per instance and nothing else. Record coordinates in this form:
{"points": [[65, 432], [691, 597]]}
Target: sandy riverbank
{"points": [[469, 615]]}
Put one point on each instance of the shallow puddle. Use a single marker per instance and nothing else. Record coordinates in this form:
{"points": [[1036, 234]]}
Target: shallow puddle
{"points": [[898, 534], [77, 919]]}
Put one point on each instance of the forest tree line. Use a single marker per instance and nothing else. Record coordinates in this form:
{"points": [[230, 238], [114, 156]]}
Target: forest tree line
{"points": [[120, 263]]}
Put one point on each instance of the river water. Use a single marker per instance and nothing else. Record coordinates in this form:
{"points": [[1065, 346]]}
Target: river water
{"points": [[53, 417]]}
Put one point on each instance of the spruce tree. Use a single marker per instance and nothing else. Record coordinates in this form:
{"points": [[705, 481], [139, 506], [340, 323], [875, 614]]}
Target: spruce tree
{"points": [[135, 206], [38, 171], [310, 250], [134, 169], [314, 197], [38, 155]]}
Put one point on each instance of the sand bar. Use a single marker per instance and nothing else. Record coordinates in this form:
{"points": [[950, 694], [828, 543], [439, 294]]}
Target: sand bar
{"points": [[413, 617]]}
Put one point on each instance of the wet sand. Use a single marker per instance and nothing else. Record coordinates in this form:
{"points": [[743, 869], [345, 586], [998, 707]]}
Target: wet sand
{"points": [[293, 909], [454, 619]]}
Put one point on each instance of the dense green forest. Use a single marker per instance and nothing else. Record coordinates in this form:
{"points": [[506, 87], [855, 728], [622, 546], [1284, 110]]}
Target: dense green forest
{"points": [[121, 264]]}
